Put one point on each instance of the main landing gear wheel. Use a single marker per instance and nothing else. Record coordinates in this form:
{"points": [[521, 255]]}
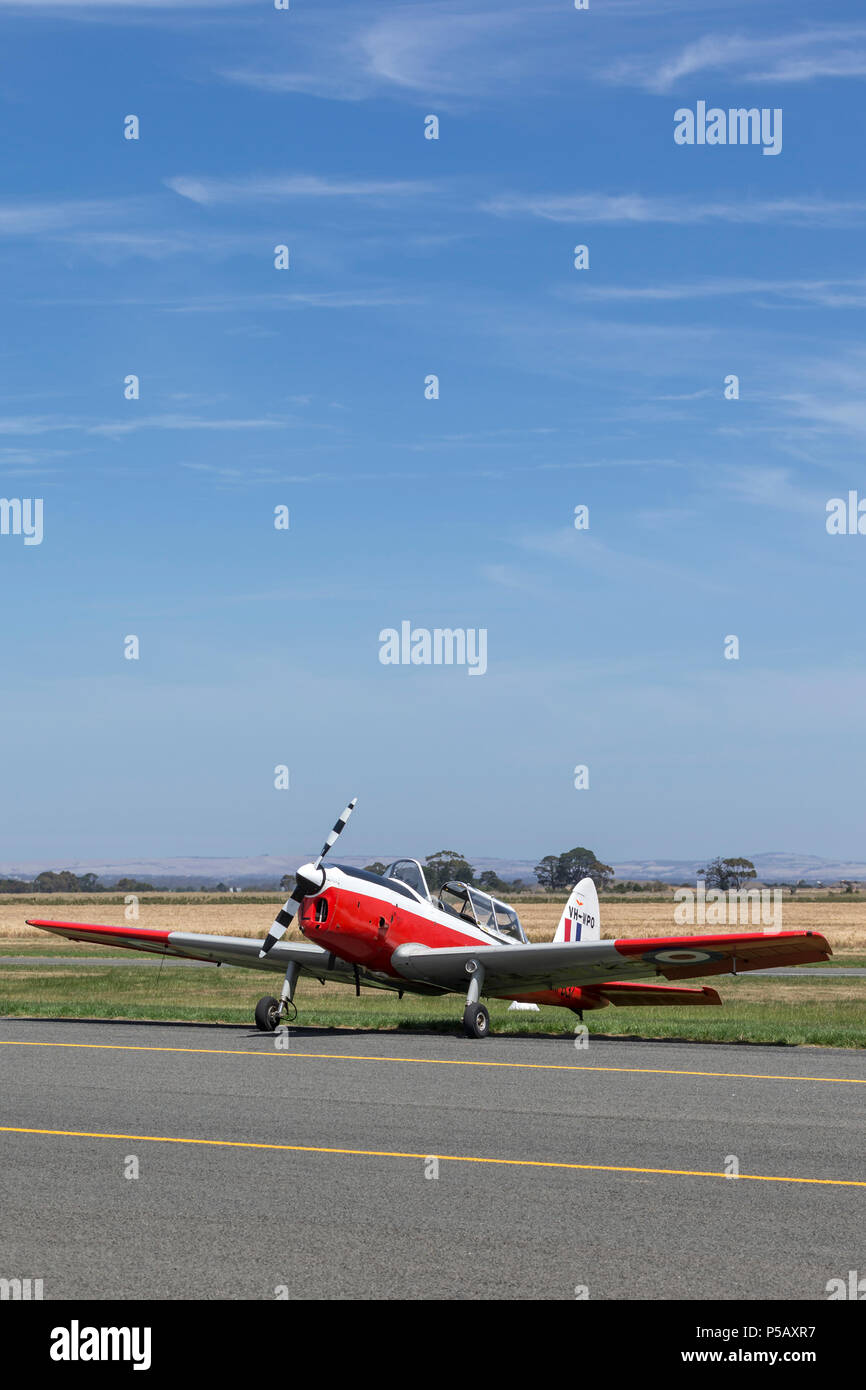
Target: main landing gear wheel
{"points": [[476, 1021], [267, 1014]]}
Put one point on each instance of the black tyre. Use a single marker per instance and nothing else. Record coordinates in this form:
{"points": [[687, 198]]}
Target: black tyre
{"points": [[476, 1021], [267, 1014]]}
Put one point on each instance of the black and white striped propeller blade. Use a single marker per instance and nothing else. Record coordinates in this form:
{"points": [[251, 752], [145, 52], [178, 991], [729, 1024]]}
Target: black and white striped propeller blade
{"points": [[338, 829], [305, 882], [283, 920]]}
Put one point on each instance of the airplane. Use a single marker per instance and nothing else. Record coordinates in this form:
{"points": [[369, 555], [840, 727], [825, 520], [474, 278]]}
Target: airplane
{"points": [[389, 931]]}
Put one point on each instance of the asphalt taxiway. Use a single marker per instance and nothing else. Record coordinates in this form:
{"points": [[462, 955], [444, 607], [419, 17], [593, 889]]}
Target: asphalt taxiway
{"points": [[198, 1161]]}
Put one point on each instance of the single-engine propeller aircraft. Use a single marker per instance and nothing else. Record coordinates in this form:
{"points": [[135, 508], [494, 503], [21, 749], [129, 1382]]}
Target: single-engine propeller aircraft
{"points": [[388, 931]]}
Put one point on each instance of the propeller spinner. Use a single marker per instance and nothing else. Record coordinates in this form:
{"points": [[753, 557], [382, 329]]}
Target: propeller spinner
{"points": [[310, 878]]}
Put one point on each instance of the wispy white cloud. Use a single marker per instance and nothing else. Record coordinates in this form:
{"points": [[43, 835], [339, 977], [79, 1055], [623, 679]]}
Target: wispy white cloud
{"points": [[802, 57], [517, 579], [596, 558], [688, 395], [184, 422], [27, 460], [277, 301], [25, 217], [441, 50], [501, 438], [111, 229], [106, 6], [846, 414], [773, 487], [280, 187], [830, 393], [39, 424], [638, 208], [835, 293], [324, 299], [157, 245], [266, 473], [424, 49], [33, 424], [340, 86]]}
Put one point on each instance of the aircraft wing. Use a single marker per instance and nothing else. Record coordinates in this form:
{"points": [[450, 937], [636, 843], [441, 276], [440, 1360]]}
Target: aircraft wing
{"points": [[556, 964], [222, 950]]}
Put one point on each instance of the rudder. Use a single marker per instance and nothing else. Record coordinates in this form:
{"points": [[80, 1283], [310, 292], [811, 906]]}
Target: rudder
{"points": [[580, 917]]}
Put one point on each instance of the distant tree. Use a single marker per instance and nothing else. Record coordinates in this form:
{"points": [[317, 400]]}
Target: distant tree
{"points": [[728, 873], [377, 867], [221, 888], [546, 871], [15, 885], [565, 870], [444, 865], [580, 863], [492, 883], [287, 882], [65, 881], [50, 882], [133, 885]]}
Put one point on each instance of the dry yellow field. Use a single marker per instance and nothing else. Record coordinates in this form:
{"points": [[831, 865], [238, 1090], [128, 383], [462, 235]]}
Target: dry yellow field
{"points": [[844, 924]]}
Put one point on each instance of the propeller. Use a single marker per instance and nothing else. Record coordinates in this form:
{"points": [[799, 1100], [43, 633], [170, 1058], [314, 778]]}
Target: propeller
{"points": [[310, 878]]}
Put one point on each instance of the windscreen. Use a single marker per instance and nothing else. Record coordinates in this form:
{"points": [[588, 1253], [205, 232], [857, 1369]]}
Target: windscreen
{"points": [[507, 921], [409, 871]]}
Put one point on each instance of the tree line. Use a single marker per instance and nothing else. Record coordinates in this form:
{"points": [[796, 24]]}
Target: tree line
{"points": [[65, 881], [558, 871], [553, 872]]}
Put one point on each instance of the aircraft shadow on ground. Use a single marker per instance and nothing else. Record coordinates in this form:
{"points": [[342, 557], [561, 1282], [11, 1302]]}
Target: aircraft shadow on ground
{"points": [[409, 1031]]}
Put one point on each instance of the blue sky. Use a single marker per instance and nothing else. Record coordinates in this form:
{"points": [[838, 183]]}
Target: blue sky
{"points": [[305, 387]]}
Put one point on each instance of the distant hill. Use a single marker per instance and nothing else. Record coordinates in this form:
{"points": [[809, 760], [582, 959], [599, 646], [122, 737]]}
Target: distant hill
{"points": [[772, 867], [266, 870]]}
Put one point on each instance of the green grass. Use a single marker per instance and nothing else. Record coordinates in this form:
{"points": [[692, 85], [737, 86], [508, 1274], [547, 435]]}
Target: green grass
{"points": [[806, 1011], [54, 946]]}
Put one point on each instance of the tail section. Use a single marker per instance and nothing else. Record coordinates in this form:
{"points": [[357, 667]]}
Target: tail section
{"points": [[580, 919]]}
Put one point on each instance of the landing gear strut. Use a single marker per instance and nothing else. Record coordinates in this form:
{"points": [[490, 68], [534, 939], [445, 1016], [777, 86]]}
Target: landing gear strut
{"points": [[476, 1019], [269, 1011]]}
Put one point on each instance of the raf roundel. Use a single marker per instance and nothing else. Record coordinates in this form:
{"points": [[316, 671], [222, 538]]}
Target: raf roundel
{"points": [[681, 957]]}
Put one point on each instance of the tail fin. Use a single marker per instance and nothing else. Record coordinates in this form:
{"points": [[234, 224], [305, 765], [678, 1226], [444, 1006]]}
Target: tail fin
{"points": [[580, 919]]}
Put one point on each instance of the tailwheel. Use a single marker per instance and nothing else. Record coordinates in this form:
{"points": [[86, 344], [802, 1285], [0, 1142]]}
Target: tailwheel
{"points": [[476, 1021], [267, 1014]]}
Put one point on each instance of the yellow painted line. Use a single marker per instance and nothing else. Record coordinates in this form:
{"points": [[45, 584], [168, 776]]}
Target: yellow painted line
{"points": [[438, 1061], [443, 1158]]}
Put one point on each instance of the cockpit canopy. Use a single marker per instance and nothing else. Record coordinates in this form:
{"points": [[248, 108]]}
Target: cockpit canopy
{"points": [[481, 910], [458, 898], [409, 871]]}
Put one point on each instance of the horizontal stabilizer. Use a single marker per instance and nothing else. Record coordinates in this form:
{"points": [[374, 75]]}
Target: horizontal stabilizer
{"points": [[631, 995]]}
